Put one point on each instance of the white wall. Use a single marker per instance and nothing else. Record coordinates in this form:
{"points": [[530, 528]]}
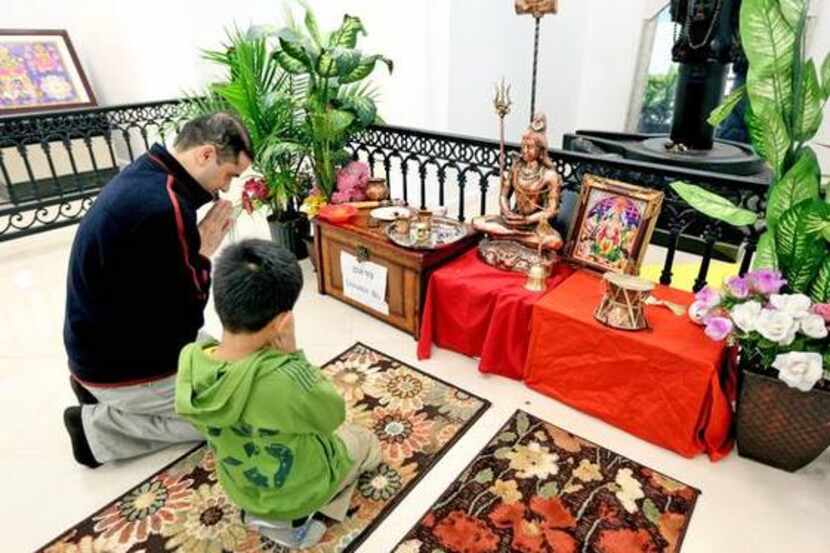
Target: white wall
{"points": [[820, 48], [491, 42], [447, 53], [608, 64], [150, 50], [587, 59]]}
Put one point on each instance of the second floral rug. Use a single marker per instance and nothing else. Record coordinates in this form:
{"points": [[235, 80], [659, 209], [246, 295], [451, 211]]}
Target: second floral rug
{"points": [[536, 488]]}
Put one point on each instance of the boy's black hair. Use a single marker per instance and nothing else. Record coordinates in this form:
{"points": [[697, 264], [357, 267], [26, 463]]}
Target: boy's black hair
{"points": [[253, 282]]}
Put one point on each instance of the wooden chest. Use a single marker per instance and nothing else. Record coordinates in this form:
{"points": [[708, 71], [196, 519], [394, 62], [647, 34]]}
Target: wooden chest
{"points": [[407, 270]]}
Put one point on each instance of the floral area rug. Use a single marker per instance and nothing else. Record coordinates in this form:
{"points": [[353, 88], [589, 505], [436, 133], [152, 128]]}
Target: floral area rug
{"points": [[182, 508], [536, 488]]}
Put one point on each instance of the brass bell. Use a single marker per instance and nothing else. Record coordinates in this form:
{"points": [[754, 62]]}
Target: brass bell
{"points": [[536, 279]]}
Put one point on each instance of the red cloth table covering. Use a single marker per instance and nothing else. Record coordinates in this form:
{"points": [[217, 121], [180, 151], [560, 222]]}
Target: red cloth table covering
{"points": [[483, 312], [661, 384]]}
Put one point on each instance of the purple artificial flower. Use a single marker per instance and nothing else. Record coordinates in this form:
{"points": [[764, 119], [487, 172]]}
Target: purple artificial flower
{"points": [[718, 328], [766, 281], [738, 287], [707, 297]]}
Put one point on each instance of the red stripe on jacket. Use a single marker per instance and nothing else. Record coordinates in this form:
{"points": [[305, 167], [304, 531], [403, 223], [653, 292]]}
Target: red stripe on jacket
{"points": [[180, 228]]}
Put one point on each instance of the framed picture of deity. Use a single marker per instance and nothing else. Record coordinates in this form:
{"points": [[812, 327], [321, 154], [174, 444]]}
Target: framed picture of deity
{"points": [[39, 71], [613, 225]]}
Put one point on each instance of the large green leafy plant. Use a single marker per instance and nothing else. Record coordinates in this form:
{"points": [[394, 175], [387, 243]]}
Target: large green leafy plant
{"points": [[786, 95], [267, 100], [338, 103]]}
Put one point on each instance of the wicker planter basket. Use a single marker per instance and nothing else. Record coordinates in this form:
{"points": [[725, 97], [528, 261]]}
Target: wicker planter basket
{"points": [[780, 426]]}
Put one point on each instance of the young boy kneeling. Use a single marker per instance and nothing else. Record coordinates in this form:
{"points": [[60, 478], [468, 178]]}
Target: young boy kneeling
{"points": [[273, 420]]}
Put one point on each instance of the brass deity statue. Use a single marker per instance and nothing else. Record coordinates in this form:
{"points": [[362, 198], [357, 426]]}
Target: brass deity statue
{"points": [[521, 235]]}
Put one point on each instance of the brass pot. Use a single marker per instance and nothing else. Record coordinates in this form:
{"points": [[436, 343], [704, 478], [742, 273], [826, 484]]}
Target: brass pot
{"points": [[377, 190]]}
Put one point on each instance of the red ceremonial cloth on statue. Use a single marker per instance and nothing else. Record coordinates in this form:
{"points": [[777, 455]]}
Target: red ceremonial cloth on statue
{"points": [[661, 384], [483, 312]]}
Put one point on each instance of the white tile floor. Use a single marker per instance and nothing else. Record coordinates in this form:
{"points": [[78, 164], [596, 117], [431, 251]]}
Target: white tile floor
{"points": [[745, 507]]}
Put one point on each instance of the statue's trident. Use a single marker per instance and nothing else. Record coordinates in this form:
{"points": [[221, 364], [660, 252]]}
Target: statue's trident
{"points": [[502, 103]]}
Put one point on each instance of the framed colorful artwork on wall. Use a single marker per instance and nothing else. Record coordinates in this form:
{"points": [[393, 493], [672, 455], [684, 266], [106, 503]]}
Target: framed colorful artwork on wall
{"points": [[613, 225], [39, 71]]}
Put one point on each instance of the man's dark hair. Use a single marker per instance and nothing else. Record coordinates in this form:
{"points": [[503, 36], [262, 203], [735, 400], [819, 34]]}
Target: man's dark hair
{"points": [[221, 129], [253, 282]]}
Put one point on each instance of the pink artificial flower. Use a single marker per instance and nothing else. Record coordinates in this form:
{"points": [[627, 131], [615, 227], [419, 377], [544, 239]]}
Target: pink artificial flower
{"points": [[738, 287], [822, 309], [766, 281], [358, 169], [352, 180], [256, 189], [718, 328], [341, 197], [253, 190], [707, 297]]}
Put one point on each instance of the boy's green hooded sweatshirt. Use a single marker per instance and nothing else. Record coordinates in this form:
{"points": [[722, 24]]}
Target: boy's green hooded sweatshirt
{"points": [[270, 419]]}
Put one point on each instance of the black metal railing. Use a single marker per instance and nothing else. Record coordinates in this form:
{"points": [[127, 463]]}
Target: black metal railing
{"points": [[409, 157], [52, 166]]}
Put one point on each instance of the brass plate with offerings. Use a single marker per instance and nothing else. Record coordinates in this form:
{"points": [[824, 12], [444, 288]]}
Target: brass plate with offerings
{"points": [[437, 233]]}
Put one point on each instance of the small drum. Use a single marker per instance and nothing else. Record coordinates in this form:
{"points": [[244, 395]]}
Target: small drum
{"points": [[624, 304]]}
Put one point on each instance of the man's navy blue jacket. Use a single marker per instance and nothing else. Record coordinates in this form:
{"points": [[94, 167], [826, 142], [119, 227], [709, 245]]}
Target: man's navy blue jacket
{"points": [[137, 285]]}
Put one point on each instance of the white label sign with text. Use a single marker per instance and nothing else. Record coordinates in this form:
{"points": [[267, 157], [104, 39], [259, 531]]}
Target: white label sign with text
{"points": [[364, 282]]}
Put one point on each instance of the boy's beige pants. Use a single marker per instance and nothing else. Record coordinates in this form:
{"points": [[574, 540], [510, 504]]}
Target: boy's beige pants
{"points": [[364, 449]]}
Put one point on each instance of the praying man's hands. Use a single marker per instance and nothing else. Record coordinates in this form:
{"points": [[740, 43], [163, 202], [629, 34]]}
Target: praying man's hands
{"points": [[214, 227]]}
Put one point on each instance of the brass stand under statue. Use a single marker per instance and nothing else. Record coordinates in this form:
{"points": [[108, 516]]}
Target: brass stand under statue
{"points": [[521, 236]]}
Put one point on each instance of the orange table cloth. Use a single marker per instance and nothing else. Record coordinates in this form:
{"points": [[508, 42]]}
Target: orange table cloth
{"points": [[662, 384], [481, 311]]}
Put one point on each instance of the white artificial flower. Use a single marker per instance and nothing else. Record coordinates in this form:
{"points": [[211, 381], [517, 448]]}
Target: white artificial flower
{"points": [[630, 490], [698, 311], [745, 315], [814, 326], [776, 326], [799, 369], [794, 305]]}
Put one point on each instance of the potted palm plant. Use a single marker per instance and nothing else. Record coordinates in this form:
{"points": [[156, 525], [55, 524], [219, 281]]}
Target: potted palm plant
{"points": [[267, 100], [780, 325], [338, 103]]}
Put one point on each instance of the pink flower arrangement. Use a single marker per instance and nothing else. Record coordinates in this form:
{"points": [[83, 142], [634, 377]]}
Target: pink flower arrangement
{"points": [[254, 194], [352, 180]]}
